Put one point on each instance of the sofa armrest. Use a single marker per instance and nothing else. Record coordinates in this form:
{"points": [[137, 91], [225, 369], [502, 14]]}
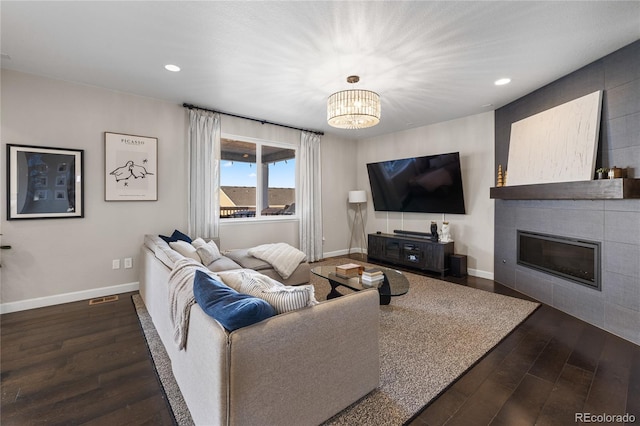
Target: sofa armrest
{"points": [[202, 369], [304, 366]]}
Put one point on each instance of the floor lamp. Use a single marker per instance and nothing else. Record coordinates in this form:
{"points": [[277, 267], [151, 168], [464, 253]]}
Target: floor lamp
{"points": [[358, 198]]}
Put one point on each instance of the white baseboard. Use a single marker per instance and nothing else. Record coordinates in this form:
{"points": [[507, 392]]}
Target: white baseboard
{"points": [[480, 274], [342, 252], [39, 302]]}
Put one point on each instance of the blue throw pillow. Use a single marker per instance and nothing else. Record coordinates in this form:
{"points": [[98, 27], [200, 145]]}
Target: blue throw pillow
{"points": [[176, 236], [231, 309]]}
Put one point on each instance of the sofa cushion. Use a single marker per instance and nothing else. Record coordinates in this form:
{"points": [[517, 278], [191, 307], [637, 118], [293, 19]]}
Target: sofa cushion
{"points": [[244, 259], [223, 264], [283, 298], [161, 249], [185, 249], [208, 251], [300, 276], [176, 236], [231, 309]]}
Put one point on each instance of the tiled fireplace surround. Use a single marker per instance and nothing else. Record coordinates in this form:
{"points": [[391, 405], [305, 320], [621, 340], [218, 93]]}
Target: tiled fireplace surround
{"points": [[614, 223]]}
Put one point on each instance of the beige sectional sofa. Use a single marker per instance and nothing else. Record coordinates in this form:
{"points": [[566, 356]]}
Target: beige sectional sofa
{"points": [[296, 368]]}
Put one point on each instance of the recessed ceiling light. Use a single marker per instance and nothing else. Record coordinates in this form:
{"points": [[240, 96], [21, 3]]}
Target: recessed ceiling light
{"points": [[502, 81], [172, 68]]}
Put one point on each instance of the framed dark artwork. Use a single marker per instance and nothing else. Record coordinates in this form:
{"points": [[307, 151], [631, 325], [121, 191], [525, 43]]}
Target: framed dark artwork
{"points": [[44, 182], [131, 167]]}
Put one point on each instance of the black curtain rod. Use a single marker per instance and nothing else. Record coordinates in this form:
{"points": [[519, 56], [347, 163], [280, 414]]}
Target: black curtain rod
{"points": [[189, 106]]}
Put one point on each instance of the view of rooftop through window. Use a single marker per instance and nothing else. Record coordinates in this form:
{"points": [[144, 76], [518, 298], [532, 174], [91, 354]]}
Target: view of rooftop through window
{"points": [[240, 175]]}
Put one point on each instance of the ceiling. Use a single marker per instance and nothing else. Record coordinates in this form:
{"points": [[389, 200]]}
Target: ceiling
{"points": [[430, 61]]}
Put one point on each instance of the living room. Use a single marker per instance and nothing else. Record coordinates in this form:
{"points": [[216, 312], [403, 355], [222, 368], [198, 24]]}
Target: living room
{"points": [[114, 230], [57, 261]]}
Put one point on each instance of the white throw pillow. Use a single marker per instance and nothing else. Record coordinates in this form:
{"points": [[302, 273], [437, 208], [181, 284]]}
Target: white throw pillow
{"points": [[185, 249], [234, 277], [282, 297], [283, 257], [208, 251]]}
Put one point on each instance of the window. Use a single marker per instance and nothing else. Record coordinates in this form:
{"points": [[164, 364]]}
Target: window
{"points": [[245, 183]]}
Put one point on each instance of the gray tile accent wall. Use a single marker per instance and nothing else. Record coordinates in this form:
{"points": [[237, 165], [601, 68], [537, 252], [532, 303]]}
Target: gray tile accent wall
{"points": [[613, 223]]}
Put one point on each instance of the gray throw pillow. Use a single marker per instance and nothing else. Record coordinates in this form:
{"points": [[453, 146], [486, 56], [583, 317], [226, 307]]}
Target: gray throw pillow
{"points": [[208, 251]]}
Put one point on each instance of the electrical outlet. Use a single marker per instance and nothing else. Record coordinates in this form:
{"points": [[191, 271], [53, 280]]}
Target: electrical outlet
{"points": [[128, 263], [115, 264]]}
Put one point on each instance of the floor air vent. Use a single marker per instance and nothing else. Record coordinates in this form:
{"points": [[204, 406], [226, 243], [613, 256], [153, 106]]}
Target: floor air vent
{"points": [[105, 299]]}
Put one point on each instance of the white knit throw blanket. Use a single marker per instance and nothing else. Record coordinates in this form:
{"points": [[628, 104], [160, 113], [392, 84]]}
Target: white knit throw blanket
{"points": [[283, 257], [181, 297]]}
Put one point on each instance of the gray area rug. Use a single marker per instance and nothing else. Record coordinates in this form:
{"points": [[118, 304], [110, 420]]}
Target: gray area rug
{"points": [[428, 338], [162, 364]]}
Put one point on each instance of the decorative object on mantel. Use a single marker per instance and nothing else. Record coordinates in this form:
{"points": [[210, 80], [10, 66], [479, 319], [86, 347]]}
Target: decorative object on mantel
{"points": [[446, 233], [434, 231], [602, 173], [354, 108], [556, 145], [616, 172], [500, 181]]}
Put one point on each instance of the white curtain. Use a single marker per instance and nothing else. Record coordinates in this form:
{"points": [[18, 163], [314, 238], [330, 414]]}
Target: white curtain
{"points": [[204, 173], [310, 209]]}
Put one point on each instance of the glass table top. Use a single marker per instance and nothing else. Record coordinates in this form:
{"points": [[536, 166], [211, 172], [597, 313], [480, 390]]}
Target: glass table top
{"points": [[394, 284]]}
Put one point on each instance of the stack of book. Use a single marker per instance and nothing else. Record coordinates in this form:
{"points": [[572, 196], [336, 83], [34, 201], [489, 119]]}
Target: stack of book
{"points": [[348, 270], [371, 276]]}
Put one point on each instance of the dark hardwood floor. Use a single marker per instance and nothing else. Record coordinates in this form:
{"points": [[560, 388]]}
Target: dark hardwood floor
{"points": [[552, 367], [79, 364]]}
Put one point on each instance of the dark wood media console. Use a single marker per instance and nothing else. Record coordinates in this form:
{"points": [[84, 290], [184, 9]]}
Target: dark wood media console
{"points": [[411, 251]]}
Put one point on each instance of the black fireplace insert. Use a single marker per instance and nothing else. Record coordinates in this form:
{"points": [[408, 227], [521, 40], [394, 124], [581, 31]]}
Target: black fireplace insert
{"points": [[573, 259]]}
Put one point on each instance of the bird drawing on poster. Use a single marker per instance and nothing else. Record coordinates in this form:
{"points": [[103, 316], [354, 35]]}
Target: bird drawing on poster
{"points": [[130, 169]]}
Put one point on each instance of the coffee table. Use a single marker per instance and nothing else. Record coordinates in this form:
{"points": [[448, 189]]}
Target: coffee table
{"points": [[394, 283]]}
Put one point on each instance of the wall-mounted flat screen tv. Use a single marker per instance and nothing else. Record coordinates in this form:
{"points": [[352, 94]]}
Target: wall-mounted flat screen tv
{"points": [[429, 184]]}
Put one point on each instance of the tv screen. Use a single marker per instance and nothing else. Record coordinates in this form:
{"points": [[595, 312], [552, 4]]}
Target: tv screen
{"points": [[429, 184]]}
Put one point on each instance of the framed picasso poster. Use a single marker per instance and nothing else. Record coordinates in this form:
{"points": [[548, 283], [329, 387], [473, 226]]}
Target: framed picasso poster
{"points": [[131, 167]]}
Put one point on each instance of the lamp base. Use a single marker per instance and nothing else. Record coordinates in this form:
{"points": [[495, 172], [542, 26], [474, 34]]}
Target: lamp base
{"points": [[353, 228]]}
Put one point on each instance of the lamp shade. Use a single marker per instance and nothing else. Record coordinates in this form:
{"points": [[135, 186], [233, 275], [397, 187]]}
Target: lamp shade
{"points": [[357, 197], [353, 109]]}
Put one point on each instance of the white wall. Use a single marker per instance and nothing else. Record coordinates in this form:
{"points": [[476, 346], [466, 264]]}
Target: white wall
{"points": [[339, 158], [67, 259], [55, 261], [473, 137]]}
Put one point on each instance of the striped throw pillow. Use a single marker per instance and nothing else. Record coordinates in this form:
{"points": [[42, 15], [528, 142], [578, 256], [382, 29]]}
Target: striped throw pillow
{"points": [[283, 298]]}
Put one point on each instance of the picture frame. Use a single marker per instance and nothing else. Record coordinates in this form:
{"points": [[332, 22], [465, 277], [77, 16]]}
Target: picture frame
{"points": [[131, 167], [44, 182]]}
